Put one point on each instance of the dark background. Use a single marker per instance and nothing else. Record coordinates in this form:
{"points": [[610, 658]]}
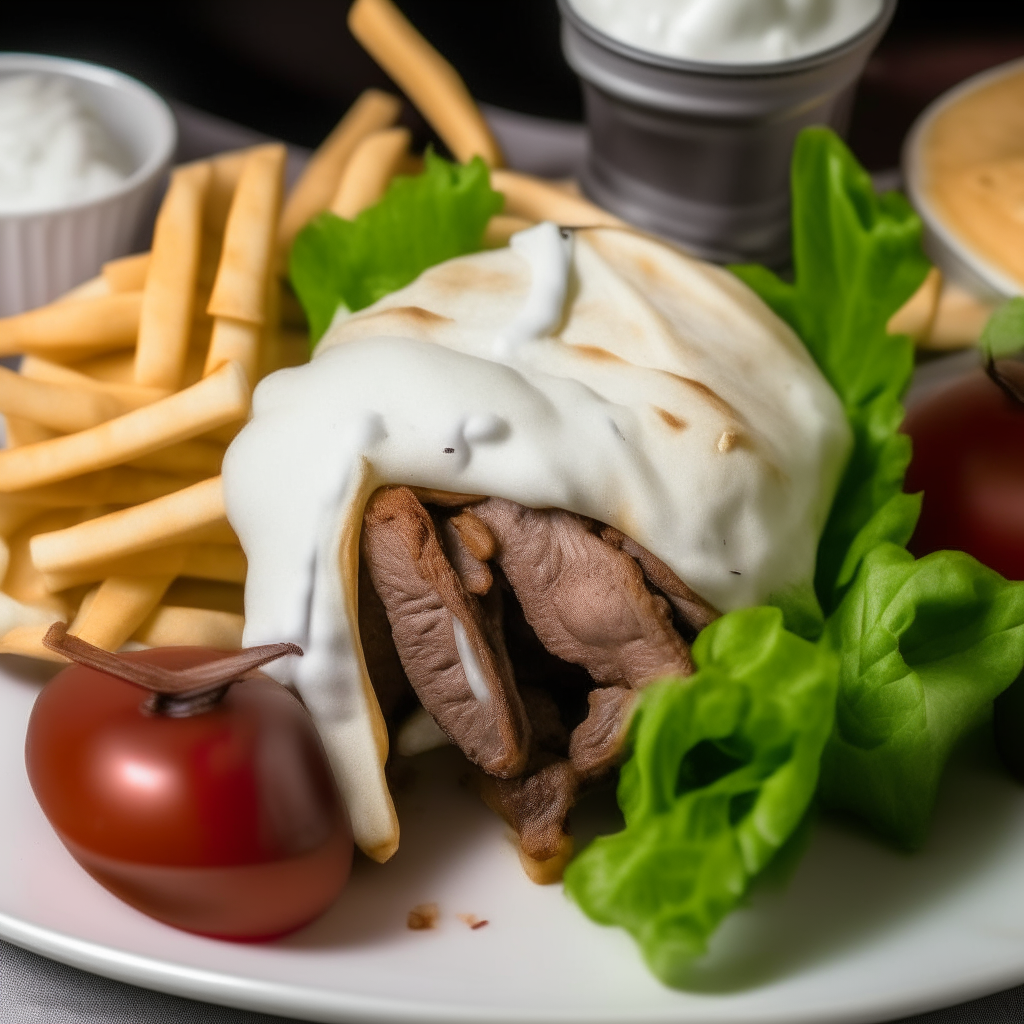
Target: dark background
{"points": [[290, 68]]}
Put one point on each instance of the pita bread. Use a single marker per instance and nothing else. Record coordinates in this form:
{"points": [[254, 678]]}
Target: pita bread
{"points": [[605, 373]]}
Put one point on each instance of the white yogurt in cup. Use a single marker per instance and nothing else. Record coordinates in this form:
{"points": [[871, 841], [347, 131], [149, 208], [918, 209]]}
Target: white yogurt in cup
{"points": [[53, 149], [730, 31], [83, 154]]}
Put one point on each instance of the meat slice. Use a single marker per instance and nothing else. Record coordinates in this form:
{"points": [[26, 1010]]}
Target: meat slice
{"points": [[586, 599], [473, 571], [449, 642], [596, 743], [689, 606], [546, 726], [394, 694], [535, 805]]}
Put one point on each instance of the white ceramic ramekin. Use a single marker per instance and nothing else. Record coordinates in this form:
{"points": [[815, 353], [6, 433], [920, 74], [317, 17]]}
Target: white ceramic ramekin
{"points": [[952, 253], [44, 254]]}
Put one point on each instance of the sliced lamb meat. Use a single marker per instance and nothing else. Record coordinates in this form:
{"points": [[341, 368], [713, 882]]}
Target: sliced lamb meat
{"points": [[535, 805], [586, 599], [450, 646], [394, 694], [535, 666], [549, 732], [473, 571], [690, 607], [596, 743]]}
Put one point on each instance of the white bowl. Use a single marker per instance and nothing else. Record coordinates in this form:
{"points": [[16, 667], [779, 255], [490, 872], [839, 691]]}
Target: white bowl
{"points": [[950, 252], [44, 254]]}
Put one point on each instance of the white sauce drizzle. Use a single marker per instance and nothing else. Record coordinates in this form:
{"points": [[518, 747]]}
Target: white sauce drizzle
{"points": [[549, 256], [474, 673], [617, 417]]}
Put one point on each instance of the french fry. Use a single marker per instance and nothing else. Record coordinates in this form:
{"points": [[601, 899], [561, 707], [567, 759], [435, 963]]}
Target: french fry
{"points": [[224, 435], [62, 409], [222, 563], [27, 641], [915, 316], [535, 199], [23, 581], [21, 432], [239, 291], [119, 485], [959, 319], [222, 398], [94, 288], [174, 626], [112, 368], [432, 84], [14, 515], [127, 274], [501, 228], [189, 458], [375, 161], [85, 326], [175, 518], [234, 341], [284, 348], [165, 322], [130, 396], [217, 532], [118, 608], [226, 170], [209, 594], [372, 111]]}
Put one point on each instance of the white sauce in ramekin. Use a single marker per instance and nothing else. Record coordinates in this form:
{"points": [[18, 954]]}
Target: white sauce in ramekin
{"points": [[730, 31], [606, 374], [53, 150]]}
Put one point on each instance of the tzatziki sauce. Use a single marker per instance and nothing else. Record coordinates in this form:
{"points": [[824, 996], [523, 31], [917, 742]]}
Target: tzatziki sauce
{"points": [[730, 31], [53, 151]]}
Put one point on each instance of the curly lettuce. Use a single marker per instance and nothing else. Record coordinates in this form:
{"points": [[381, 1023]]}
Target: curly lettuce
{"points": [[908, 654], [858, 258], [421, 221], [724, 766]]}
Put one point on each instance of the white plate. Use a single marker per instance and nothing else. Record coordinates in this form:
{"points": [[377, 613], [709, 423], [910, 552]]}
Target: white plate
{"points": [[860, 934]]}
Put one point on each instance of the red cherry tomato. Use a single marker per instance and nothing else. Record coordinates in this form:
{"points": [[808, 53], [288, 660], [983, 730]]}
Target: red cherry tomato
{"points": [[226, 822], [969, 461]]}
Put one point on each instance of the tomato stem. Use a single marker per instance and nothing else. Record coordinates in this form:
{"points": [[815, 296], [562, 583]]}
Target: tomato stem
{"points": [[178, 693]]}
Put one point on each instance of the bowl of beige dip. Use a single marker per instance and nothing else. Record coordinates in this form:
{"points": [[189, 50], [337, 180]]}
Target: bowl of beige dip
{"points": [[964, 168]]}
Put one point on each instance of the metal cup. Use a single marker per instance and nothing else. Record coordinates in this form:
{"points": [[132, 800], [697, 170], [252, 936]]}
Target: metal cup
{"points": [[700, 152]]}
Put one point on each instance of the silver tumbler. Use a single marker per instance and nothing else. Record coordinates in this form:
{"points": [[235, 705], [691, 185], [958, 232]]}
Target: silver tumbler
{"points": [[700, 152]]}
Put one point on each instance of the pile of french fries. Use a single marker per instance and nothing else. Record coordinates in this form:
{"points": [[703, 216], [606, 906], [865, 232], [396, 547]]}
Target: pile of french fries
{"points": [[131, 386]]}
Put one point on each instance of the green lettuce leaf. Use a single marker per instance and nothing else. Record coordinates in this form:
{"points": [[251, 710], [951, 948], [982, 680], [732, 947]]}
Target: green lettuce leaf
{"points": [[857, 258], [724, 766], [912, 653], [1004, 333], [421, 221], [924, 647]]}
